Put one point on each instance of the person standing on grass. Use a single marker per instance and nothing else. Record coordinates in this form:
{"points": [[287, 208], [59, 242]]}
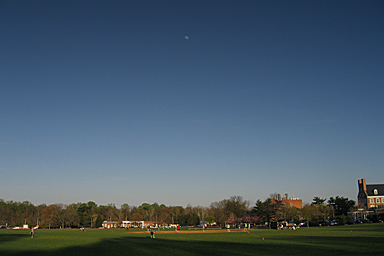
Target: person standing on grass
{"points": [[32, 231], [153, 233]]}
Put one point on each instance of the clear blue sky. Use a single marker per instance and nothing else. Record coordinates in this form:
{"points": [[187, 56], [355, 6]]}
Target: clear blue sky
{"points": [[107, 101]]}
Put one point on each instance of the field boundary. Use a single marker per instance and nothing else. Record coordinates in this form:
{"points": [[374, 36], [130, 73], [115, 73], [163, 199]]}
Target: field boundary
{"points": [[193, 231], [202, 228]]}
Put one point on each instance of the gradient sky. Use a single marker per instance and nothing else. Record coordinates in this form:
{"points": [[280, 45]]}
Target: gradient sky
{"points": [[107, 101]]}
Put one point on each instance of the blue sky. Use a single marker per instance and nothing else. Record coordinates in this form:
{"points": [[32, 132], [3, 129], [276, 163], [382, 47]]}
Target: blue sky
{"points": [[107, 101]]}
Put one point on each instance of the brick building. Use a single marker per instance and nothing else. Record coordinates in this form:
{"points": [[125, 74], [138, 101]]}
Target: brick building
{"points": [[111, 224], [291, 202], [371, 196]]}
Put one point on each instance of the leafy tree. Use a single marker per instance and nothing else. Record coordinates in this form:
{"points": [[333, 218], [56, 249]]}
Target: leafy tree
{"points": [[137, 217], [152, 212], [49, 217], [318, 201], [308, 212], [320, 210], [249, 219], [83, 211], [209, 219], [190, 219], [341, 205], [112, 213], [102, 210], [61, 214], [40, 208], [266, 210], [92, 206], [99, 221], [235, 207], [193, 219], [217, 211], [125, 209], [163, 217], [28, 212], [71, 217], [164, 214], [144, 206], [293, 213], [200, 211], [94, 218], [15, 213]]}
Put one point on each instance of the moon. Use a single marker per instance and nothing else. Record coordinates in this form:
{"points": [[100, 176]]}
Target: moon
{"points": [[186, 37]]}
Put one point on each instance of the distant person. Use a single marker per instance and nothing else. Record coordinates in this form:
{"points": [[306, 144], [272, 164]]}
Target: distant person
{"points": [[32, 231], [178, 228]]}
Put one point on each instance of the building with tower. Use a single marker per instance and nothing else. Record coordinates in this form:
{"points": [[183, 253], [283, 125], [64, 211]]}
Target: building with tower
{"points": [[370, 196]]}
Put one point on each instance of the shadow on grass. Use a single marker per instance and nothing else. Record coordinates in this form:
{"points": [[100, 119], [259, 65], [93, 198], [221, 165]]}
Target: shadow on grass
{"points": [[163, 246], [355, 242], [12, 237]]}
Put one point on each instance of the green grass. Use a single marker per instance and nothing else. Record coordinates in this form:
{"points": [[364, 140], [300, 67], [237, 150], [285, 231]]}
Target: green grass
{"points": [[364, 239]]}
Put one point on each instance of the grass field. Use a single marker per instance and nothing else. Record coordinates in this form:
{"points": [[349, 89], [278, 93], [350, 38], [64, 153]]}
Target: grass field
{"points": [[363, 239]]}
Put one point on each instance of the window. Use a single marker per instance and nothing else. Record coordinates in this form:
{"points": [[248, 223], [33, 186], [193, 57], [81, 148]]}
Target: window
{"points": [[377, 200], [372, 201], [382, 200], [375, 191]]}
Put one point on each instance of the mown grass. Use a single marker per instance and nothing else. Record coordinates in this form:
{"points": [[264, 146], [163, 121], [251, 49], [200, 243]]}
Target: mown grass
{"points": [[364, 239]]}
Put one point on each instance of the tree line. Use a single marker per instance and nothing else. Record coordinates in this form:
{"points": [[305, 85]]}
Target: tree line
{"points": [[316, 213], [234, 210]]}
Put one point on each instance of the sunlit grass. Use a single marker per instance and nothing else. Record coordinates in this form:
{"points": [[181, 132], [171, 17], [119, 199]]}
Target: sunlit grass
{"points": [[344, 240]]}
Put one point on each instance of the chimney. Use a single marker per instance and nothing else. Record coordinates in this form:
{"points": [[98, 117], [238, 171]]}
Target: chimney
{"points": [[362, 185]]}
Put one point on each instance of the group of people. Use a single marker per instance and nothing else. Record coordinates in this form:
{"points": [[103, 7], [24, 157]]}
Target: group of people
{"points": [[152, 231], [287, 226]]}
